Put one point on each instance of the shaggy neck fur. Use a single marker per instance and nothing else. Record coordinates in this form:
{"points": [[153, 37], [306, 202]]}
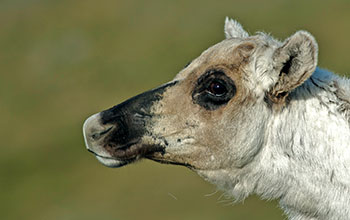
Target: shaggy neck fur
{"points": [[310, 153], [305, 159]]}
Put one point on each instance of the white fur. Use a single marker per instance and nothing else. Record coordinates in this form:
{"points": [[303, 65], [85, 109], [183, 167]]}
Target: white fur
{"points": [[233, 29], [305, 157], [304, 149], [299, 154]]}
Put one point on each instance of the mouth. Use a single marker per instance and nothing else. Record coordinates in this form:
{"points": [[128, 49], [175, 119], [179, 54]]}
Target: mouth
{"points": [[126, 154], [108, 161], [133, 152]]}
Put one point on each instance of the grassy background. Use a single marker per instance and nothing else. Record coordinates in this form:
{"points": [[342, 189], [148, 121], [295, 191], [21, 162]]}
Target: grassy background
{"points": [[61, 61]]}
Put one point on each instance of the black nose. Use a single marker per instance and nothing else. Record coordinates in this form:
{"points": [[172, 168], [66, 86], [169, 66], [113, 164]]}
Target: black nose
{"points": [[131, 117]]}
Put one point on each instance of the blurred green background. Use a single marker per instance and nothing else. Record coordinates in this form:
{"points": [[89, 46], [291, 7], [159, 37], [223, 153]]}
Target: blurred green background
{"points": [[61, 61]]}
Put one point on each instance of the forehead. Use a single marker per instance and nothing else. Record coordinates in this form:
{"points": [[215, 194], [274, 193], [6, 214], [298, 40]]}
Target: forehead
{"points": [[222, 54], [231, 53]]}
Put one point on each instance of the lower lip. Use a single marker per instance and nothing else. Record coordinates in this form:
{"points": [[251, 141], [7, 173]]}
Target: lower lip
{"points": [[110, 162]]}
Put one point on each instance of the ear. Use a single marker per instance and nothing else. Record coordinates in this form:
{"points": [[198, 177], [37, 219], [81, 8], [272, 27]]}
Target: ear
{"points": [[234, 29], [294, 62]]}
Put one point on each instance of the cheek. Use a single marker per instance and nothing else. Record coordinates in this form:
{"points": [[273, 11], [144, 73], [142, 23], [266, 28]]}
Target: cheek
{"points": [[229, 136], [245, 135], [175, 117]]}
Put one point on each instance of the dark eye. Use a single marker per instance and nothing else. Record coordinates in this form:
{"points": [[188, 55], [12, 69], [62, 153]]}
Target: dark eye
{"points": [[213, 90], [217, 89]]}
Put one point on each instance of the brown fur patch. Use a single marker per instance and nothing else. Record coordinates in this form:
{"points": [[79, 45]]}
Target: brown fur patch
{"points": [[179, 116]]}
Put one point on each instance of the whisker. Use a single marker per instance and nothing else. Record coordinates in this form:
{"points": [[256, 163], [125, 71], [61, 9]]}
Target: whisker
{"points": [[211, 194], [172, 196]]}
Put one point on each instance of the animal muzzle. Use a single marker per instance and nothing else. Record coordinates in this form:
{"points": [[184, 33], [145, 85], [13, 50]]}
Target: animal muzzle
{"points": [[115, 136]]}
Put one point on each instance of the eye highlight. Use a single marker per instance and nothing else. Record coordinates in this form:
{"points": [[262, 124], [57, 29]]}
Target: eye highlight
{"points": [[216, 88], [213, 90]]}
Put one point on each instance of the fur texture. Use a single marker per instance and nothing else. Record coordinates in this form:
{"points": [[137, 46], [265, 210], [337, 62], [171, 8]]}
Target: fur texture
{"points": [[284, 134], [304, 160]]}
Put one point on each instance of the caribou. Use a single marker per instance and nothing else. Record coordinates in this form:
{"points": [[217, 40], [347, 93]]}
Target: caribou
{"points": [[252, 115]]}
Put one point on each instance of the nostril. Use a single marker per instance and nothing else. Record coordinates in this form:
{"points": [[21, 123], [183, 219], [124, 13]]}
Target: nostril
{"points": [[97, 135]]}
